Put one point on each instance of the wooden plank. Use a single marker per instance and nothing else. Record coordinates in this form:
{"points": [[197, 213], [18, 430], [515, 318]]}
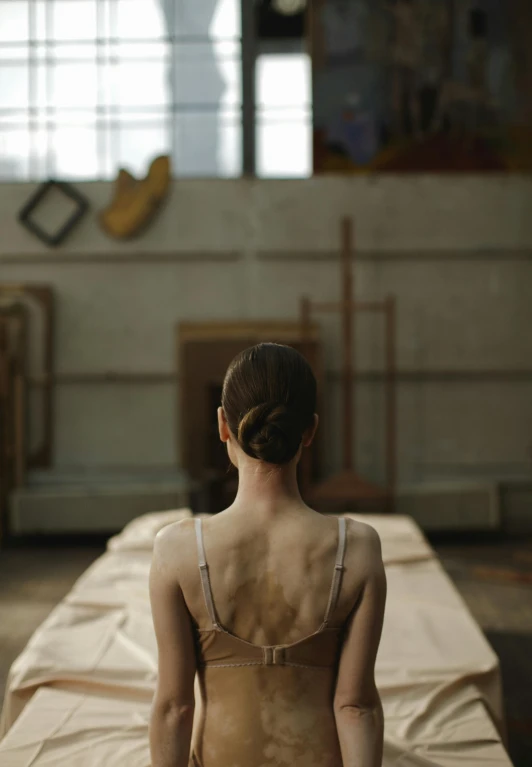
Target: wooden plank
{"points": [[348, 321], [203, 353]]}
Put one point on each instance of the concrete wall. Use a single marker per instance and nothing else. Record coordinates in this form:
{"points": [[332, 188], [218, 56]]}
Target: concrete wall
{"points": [[457, 253]]}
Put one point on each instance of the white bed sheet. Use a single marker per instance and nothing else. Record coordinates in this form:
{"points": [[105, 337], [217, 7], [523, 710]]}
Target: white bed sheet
{"points": [[80, 692]]}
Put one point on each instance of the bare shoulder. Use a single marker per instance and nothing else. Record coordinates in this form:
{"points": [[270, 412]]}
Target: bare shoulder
{"points": [[173, 540], [174, 531], [362, 532], [364, 542]]}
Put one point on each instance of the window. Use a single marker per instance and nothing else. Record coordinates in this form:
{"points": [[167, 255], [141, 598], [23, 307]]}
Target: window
{"points": [[88, 86], [283, 115]]}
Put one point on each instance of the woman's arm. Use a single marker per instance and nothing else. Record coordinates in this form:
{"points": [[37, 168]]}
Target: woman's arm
{"points": [[357, 705], [361, 734], [172, 711]]}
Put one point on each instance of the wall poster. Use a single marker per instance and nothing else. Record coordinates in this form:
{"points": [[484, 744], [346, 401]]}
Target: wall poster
{"points": [[422, 85]]}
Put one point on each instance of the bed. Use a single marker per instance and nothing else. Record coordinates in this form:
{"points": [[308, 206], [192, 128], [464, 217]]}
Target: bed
{"points": [[80, 692]]}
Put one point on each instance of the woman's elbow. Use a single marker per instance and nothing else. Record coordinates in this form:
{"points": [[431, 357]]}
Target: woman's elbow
{"points": [[172, 712]]}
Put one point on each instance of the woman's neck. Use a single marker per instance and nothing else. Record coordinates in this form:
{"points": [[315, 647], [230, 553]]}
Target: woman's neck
{"points": [[266, 489]]}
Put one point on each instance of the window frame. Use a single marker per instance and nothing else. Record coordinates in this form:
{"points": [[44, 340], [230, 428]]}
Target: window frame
{"points": [[106, 121]]}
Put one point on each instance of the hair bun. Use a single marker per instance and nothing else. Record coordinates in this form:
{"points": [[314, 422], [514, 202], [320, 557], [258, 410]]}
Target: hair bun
{"points": [[270, 433]]}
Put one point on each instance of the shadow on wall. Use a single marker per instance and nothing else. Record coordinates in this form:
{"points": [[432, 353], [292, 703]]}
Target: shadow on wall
{"points": [[195, 136]]}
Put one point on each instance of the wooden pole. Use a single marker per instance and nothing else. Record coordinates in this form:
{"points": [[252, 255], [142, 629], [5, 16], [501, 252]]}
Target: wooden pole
{"points": [[391, 404], [305, 466], [19, 408], [19, 442], [348, 311], [4, 431], [305, 313], [47, 301]]}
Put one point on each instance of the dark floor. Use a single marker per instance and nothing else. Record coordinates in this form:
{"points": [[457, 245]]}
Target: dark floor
{"points": [[494, 578], [33, 580]]}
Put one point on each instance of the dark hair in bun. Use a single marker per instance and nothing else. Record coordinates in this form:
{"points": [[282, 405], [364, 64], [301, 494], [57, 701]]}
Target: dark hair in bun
{"points": [[269, 400]]}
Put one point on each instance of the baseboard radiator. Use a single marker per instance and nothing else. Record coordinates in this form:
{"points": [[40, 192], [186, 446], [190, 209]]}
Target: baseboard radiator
{"points": [[452, 506], [94, 504], [435, 507]]}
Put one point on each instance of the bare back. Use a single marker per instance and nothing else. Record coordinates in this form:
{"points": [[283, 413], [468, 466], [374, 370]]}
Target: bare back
{"points": [[271, 583], [284, 658]]}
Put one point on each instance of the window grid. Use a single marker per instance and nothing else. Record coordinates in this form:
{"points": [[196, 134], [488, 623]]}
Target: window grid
{"points": [[110, 111], [77, 116]]}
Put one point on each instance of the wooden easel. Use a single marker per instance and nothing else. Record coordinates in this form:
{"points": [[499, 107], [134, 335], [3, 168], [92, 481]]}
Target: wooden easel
{"points": [[347, 490], [13, 350], [204, 350], [42, 298]]}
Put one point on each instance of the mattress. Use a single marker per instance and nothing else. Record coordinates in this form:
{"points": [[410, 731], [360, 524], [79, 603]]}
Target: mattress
{"points": [[80, 692]]}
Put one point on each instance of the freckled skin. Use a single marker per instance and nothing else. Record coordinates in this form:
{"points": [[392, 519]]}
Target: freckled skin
{"points": [[261, 716], [271, 563]]}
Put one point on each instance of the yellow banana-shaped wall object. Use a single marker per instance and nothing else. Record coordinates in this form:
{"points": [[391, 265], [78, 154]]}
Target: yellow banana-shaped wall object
{"points": [[135, 201]]}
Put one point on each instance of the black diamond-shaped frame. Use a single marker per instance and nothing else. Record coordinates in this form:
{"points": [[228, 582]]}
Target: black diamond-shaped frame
{"points": [[57, 237]]}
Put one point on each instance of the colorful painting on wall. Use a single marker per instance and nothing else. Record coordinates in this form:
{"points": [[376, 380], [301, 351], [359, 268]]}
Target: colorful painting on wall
{"points": [[422, 85]]}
